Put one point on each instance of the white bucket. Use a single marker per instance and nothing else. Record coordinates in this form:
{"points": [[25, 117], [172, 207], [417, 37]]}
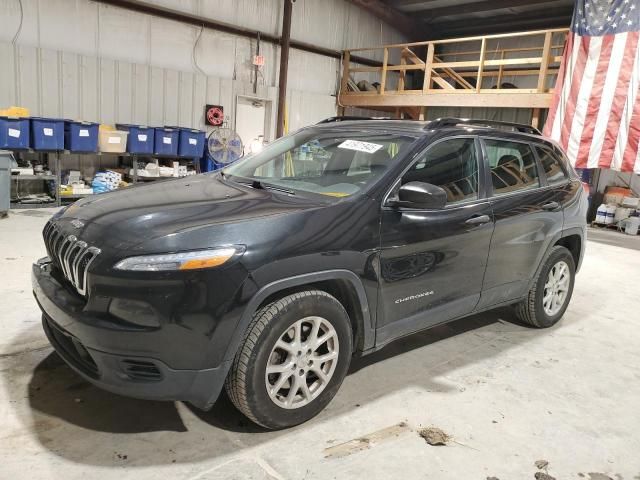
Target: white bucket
{"points": [[601, 213], [621, 214], [611, 212], [633, 223]]}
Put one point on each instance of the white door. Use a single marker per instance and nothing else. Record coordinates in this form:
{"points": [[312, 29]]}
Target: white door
{"points": [[250, 121]]}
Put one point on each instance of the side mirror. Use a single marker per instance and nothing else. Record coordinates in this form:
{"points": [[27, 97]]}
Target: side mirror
{"points": [[421, 195]]}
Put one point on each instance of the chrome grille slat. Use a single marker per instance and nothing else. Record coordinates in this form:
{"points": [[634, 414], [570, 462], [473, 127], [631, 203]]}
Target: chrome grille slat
{"points": [[72, 256]]}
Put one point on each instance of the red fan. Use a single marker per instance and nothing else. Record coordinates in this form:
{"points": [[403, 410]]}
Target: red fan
{"points": [[214, 115]]}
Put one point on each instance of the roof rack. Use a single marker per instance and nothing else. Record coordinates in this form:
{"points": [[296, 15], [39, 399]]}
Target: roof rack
{"points": [[350, 117], [451, 122]]}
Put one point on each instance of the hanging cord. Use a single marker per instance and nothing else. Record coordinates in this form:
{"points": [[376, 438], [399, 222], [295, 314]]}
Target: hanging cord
{"points": [[193, 52], [15, 37]]}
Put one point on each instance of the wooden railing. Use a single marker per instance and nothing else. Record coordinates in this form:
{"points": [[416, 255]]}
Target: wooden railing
{"points": [[443, 73]]}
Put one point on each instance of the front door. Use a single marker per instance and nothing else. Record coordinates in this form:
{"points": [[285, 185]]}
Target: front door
{"points": [[432, 262]]}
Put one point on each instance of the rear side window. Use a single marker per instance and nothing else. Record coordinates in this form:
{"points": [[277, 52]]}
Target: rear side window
{"points": [[452, 165], [551, 165], [513, 166]]}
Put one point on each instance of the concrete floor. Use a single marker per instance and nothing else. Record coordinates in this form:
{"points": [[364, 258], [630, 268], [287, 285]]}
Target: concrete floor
{"points": [[507, 394]]}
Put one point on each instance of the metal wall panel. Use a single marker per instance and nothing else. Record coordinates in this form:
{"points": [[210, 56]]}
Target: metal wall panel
{"points": [[83, 60]]}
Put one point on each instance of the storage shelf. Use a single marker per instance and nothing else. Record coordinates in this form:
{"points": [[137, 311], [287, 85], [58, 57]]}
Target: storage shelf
{"points": [[104, 154], [76, 196], [33, 177], [20, 205]]}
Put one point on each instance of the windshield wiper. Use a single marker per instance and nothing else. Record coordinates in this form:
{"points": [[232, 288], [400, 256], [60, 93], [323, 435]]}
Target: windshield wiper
{"points": [[270, 186], [260, 185]]}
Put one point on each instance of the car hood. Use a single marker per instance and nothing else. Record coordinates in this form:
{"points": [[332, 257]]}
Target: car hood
{"points": [[140, 214]]}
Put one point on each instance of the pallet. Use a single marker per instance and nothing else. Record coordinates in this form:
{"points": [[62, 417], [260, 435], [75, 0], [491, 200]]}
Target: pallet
{"points": [[610, 226]]}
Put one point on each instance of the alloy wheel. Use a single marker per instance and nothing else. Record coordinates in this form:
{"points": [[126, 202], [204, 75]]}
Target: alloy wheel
{"points": [[556, 288], [302, 362]]}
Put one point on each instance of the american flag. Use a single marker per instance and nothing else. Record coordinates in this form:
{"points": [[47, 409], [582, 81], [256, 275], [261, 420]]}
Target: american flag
{"points": [[595, 111]]}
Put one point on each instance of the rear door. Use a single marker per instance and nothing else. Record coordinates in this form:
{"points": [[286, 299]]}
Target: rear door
{"points": [[432, 262], [528, 215]]}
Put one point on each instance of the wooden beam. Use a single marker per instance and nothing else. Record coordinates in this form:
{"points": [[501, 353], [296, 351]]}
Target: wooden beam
{"points": [[383, 80], [535, 118], [512, 99], [345, 72], [403, 74], [483, 49], [426, 84], [475, 38], [544, 67]]}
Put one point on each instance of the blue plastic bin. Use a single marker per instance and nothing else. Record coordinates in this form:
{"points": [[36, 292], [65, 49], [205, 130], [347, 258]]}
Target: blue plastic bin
{"points": [[166, 141], [81, 136], [47, 133], [140, 139], [191, 143], [14, 133]]}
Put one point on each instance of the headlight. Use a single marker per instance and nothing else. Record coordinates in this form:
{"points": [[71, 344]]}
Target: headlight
{"points": [[193, 260]]}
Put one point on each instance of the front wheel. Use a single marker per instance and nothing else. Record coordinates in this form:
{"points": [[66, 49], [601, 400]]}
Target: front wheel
{"points": [[551, 292], [292, 360]]}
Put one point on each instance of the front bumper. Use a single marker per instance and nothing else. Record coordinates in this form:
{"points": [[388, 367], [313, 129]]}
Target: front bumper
{"points": [[75, 336]]}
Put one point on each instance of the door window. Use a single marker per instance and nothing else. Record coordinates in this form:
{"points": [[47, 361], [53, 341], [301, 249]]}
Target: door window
{"points": [[451, 165], [551, 165], [513, 166]]}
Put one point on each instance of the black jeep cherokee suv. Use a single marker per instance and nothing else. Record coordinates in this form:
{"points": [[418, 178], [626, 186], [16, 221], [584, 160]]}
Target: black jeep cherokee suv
{"points": [[267, 277]]}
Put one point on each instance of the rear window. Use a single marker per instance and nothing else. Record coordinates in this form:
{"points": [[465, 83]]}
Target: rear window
{"points": [[551, 165], [513, 166]]}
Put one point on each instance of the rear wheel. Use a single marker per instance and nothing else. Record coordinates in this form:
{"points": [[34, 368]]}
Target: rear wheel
{"points": [[292, 360], [551, 292]]}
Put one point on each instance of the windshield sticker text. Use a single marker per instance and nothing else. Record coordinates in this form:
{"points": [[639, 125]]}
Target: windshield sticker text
{"points": [[359, 146]]}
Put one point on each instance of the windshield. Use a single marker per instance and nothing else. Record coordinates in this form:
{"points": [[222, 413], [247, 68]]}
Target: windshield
{"points": [[321, 161]]}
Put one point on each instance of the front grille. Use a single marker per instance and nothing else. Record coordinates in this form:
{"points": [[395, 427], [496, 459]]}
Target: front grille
{"points": [[141, 370], [71, 349], [71, 256]]}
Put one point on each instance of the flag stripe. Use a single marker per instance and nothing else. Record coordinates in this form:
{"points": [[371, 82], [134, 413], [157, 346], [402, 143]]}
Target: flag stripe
{"points": [[618, 89], [581, 100], [594, 102]]}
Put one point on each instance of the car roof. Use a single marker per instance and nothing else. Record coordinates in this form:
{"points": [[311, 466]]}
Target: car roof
{"points": [[507, 130]]}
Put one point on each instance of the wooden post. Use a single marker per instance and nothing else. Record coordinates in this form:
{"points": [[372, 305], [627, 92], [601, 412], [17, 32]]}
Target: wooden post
{"points": [[423, 114], [481, 65], [428, 65], [284, 65], [403, 73], [383, 80], [535, 118], [500, 70], [544, 66], [346, 60]]}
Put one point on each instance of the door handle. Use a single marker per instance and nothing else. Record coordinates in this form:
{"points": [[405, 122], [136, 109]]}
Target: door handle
{"points": [[551, 206], [478, 220]]}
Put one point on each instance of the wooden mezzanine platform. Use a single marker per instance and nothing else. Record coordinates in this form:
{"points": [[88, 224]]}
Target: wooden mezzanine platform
{"points": [[454, 73]]}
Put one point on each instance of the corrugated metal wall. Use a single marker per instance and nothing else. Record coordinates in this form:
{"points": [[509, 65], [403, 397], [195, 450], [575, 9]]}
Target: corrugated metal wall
{"points": [[83, 60]]}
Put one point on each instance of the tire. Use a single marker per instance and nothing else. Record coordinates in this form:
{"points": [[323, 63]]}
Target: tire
{"points": [[532, 310], [258, 394]]}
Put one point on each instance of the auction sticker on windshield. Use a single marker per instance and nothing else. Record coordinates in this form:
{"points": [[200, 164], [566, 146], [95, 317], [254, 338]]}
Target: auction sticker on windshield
{"points": [[360, 146]]}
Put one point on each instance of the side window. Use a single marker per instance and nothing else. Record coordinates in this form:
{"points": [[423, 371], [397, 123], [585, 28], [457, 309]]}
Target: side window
{"points": [[551, 165], [513, 166], [451, 165]]}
